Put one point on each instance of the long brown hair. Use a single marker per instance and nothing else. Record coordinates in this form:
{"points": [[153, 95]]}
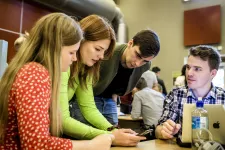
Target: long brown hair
{"points": [[43, 46], [95, 28]]}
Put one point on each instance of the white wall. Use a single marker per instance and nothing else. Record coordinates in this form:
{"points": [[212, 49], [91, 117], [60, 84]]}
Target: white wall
{"points": [[166, 18]]}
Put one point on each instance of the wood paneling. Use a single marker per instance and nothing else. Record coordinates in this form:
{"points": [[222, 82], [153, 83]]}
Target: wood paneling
{"points": [[11, 20], [31, 14], [10, 12], [202, 26]]}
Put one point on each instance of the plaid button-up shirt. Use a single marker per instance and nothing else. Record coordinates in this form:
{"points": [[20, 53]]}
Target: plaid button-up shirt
{"points": [[173, 104]]}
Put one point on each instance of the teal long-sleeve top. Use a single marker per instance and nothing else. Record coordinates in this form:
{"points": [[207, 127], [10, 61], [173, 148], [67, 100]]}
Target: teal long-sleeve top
{"points": [[85, 99]]}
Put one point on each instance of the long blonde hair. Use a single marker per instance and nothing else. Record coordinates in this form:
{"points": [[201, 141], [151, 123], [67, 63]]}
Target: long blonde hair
{"points": [[95, 28], [43, 46]]}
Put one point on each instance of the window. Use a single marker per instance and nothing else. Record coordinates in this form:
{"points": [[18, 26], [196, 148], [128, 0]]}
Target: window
{"points": [[218, 80]]}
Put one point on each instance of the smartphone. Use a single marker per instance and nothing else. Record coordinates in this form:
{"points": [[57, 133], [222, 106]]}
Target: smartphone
{"points": [[145, 132]]}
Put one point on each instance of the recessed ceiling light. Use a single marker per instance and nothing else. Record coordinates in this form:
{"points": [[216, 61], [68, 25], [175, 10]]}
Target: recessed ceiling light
{"points": [[186, 0]]}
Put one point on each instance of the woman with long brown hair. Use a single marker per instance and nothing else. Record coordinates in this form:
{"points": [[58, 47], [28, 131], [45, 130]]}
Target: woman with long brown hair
{"points": [[98, 44]]}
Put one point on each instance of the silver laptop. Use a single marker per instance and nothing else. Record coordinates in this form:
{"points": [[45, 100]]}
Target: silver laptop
{"points": [[216, 114]]}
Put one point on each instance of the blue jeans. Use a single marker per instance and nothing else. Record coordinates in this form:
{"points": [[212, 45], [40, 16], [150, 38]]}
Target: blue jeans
{"points": [[108, 108], [76, 113]]}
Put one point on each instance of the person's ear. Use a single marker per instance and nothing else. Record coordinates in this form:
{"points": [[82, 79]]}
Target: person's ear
{"points": [[130, 43], [213, 73]]}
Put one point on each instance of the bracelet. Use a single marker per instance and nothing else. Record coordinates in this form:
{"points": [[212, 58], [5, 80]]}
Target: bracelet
{"points": [[113, 127]]}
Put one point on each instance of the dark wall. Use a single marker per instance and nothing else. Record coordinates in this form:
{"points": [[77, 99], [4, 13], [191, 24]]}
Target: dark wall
{"points": [[202, 26], [16, 17]]}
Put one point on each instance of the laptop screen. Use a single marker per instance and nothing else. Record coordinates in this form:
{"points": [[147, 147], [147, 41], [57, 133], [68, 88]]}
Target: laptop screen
{"points": [[216, 113]]}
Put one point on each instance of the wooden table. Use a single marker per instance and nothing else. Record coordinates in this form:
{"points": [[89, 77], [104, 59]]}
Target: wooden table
{"points": [[127, 122], [154, 145]]}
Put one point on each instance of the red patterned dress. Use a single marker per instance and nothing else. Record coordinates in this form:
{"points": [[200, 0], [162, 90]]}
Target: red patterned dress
{"points": [[28, 112]]}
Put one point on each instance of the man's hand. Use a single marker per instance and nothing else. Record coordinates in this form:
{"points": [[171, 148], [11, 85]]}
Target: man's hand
{"points": [[167, 129], [126, 137]]}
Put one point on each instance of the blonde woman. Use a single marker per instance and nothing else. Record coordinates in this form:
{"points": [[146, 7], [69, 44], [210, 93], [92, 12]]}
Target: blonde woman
{"points": [[29, 109]]}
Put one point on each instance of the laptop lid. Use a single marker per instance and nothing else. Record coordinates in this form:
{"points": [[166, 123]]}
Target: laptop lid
{"points": [[216, 114]]}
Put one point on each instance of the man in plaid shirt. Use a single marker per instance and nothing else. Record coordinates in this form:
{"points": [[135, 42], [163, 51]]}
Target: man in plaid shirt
{"points": [[203, 63]]}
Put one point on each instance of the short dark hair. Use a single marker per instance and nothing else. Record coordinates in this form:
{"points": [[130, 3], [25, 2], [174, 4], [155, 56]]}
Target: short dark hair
{"points": [[207, 53], [141, 84], [148, 42], [156, 69], [183, 70]]}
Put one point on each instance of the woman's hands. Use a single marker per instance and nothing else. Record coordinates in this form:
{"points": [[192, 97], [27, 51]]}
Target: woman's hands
{"points": [[126, 137], [119, 137]]}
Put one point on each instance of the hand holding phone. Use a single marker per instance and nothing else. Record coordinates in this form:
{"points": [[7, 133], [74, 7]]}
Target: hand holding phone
{"points": [[145, 132]]}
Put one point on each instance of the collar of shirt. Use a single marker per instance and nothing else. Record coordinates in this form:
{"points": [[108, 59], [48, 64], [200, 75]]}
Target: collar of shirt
{"points": [[211, 95]]}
